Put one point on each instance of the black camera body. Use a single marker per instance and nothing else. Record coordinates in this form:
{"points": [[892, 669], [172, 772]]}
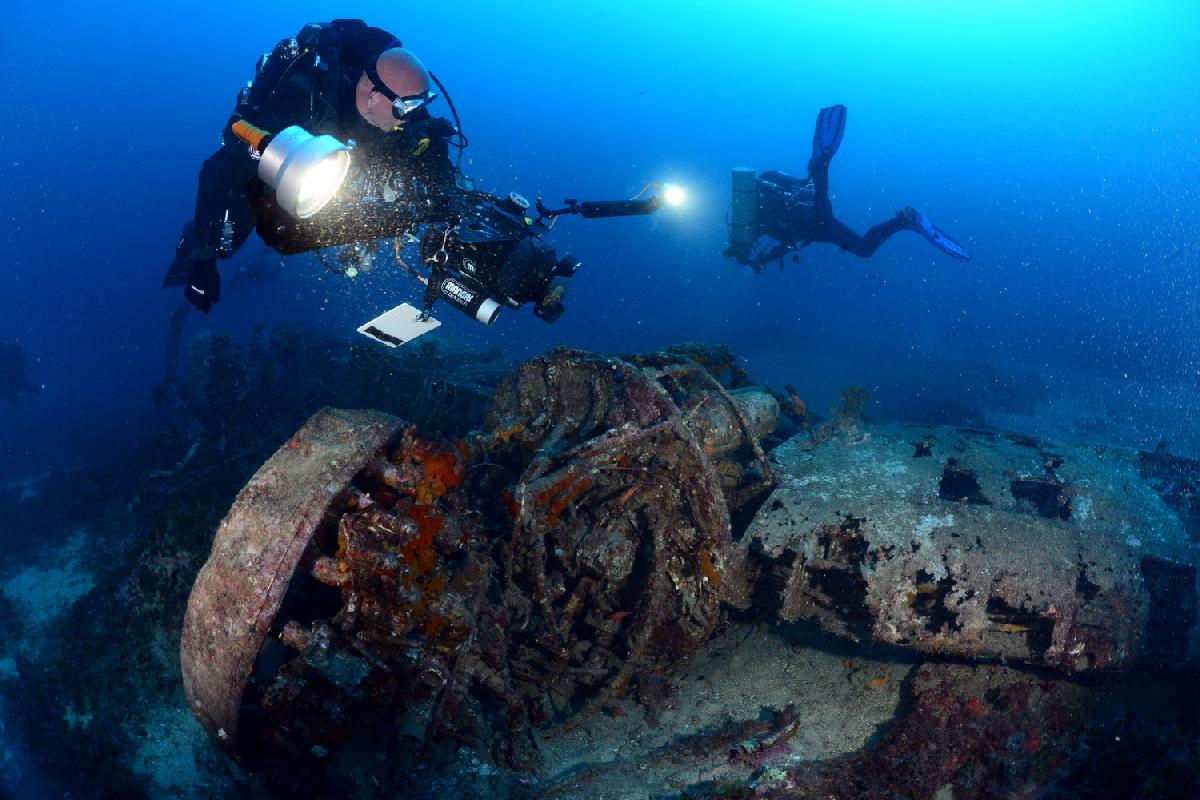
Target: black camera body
{"points": [[494, 257]]}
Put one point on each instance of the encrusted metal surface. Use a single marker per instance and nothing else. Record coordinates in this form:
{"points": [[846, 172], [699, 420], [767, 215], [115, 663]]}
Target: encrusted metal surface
{"points": [[626, 536], [978, 544], [256, 551], [569, 396], [538, 567], [463, 599]]}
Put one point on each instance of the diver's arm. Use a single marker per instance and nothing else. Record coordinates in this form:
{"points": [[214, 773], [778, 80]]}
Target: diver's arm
{"points": [[348, 220], [776, 253], [281, 94]]}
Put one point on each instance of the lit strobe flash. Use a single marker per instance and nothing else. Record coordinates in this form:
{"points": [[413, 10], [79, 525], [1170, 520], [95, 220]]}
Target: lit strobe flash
{"points": [[673, 195]]}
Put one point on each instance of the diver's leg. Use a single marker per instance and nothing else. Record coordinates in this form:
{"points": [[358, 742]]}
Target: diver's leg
{"points": [[863, 246], [221, 224], [830, 229], [907, 219], [827, 137], [222, 217], [822, 205]]}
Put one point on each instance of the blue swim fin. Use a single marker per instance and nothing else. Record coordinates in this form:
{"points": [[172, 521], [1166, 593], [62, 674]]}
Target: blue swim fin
{"points": [[936, 236], [827, 137]]}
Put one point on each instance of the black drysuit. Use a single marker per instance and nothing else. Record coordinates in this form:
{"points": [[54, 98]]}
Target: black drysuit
{"points": [[397, 179], [796, 212]]}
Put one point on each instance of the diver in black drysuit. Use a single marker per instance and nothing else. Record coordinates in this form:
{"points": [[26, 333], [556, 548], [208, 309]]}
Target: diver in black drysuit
{"points": [[795, 212], [351, 81]]}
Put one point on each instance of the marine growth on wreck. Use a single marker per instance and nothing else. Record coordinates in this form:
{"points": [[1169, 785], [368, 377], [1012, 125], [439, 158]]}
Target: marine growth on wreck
{"points": [[611, 520]]}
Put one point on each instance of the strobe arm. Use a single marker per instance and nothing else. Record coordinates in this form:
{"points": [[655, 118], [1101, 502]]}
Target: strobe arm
{"points": [[593, 209]]}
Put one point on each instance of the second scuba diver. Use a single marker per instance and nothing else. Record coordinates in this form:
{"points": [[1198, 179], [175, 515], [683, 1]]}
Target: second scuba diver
{"points": [[795, 212]]}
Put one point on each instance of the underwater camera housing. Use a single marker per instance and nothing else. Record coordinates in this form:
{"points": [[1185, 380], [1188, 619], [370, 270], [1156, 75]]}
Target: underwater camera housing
{"points": [[492, 258]]}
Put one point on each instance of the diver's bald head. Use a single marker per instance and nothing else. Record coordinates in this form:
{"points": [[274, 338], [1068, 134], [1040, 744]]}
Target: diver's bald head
{"points": [[401, 73]]}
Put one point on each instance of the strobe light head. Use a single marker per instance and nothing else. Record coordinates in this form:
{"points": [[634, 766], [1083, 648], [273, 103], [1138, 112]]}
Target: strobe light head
{"points": [[305, 171]]}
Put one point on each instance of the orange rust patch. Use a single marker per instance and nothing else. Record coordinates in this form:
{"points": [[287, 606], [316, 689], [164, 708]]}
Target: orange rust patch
{"points": [[878, 683], [564, 501], [560, 496], [503, 437], [441, 469], [707, 568], [423, 562], [543, 498], [343, 543], [419, 553]]}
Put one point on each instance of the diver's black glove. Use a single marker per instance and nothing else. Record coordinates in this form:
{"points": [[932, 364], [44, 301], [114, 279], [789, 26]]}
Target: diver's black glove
{"points": [[203, 284]]}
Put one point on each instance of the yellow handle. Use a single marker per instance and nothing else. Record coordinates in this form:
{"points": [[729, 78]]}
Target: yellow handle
{"points": [[250, 134]]}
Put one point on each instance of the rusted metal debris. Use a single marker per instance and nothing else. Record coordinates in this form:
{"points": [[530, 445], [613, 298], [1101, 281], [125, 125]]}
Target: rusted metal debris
{"points": [[238, 593], [472, 590], [984, 546], [570, 396], [981, 732], [466, 592]]}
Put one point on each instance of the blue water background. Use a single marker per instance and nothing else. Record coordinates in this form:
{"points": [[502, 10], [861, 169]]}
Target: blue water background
{"points": [[1057, 141]]}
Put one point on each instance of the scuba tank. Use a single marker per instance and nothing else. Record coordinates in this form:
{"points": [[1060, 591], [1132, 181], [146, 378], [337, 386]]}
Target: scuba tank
{"points": [[743, 225]]}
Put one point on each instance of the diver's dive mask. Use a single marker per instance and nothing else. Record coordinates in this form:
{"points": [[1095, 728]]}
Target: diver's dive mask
{"points": [[401, 106]]}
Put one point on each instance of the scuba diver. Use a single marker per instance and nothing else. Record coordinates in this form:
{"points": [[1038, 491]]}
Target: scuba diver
{"points": [[352, 82], [14, 372], [332, 146], [795, 212]]}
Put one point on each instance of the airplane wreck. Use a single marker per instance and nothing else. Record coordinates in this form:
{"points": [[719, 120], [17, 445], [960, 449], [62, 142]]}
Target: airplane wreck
{"points": [[612, 515]]}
